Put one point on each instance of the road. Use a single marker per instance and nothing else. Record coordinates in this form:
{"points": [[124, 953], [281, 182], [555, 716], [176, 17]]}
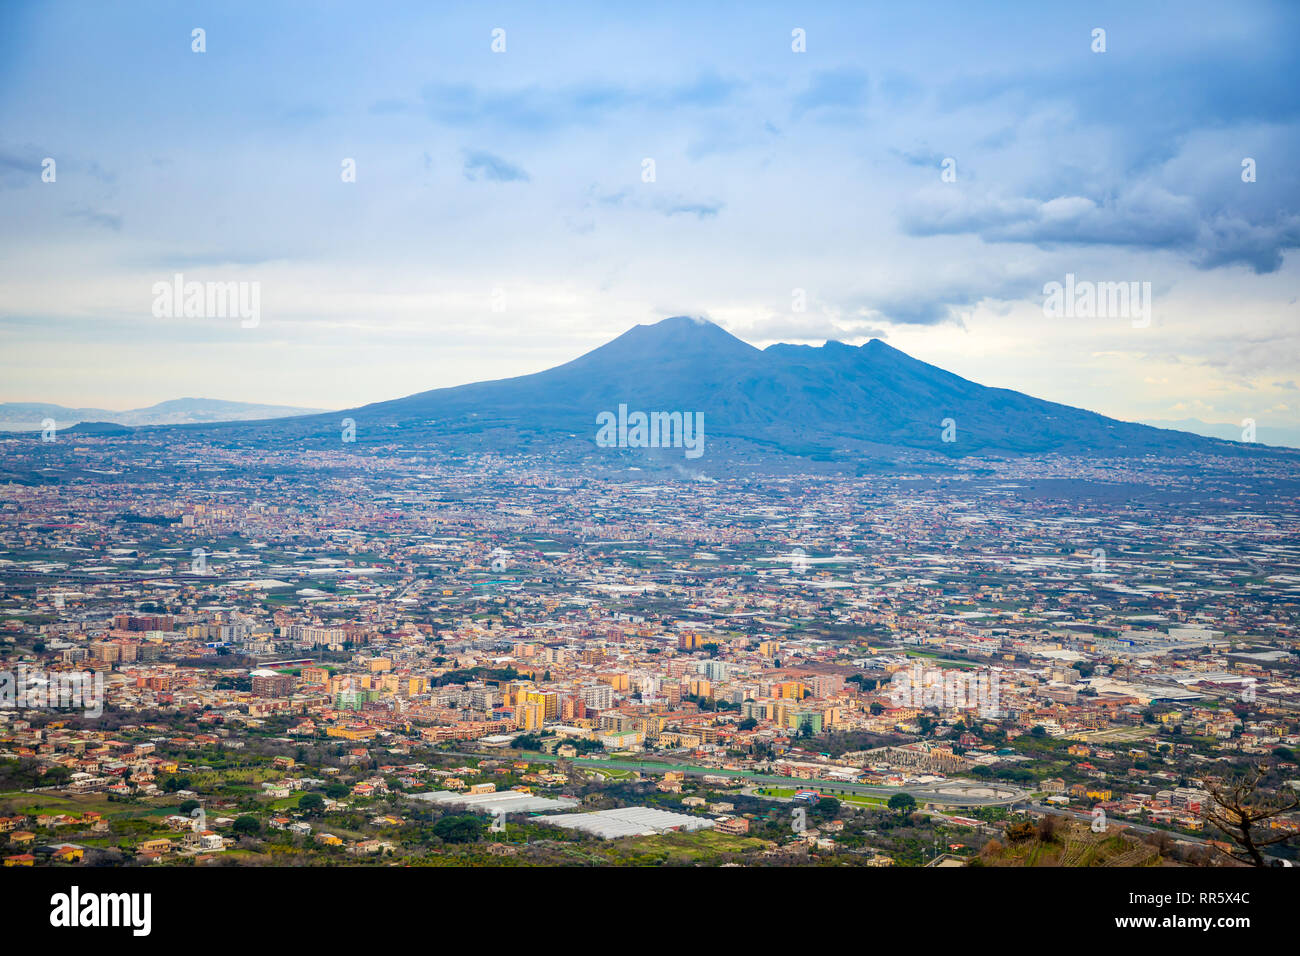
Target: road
{"points": [[951, 793], [1117, 822]]}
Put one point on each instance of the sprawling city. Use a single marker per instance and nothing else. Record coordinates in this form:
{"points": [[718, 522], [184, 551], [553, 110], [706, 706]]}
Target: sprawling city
{"points": [[298, 658]]}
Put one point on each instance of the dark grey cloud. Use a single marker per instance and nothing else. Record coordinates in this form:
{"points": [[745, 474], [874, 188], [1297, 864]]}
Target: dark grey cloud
{"points": [[921, 156], [1234, 241], [492, 168], [1136, 151], [939, 301], [917, 311], [1146, 216]]}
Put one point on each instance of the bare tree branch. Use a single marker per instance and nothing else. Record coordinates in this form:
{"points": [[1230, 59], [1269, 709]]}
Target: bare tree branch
{"points": [[1239, 810]]}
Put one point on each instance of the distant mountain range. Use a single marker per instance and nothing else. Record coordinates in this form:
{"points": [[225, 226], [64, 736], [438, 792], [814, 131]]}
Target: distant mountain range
{"points": [[834, 403], [28, 416], [1265, 434]]}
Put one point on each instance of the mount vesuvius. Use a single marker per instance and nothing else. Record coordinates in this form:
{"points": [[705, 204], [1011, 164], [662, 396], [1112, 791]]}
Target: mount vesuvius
{"points": [[830, 403]]}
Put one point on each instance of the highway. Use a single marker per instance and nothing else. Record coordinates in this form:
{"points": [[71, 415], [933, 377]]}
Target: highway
{"points": [[950, 793]]}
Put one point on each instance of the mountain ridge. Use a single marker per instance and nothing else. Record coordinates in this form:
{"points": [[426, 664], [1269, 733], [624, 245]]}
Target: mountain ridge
{"points": [[835, 402], [837, 398], [29, 416]]}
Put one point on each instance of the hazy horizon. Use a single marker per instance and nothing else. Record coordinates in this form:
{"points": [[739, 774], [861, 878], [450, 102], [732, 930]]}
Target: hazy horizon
{"points": [[1274, 435]]}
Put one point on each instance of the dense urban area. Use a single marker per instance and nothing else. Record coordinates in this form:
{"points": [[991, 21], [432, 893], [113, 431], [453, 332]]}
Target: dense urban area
{"points": [[220, 656]]}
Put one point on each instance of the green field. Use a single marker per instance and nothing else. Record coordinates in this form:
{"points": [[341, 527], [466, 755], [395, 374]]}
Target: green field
{"points": [[610, 773], [688, 847], [928, 655], [858, 800]]}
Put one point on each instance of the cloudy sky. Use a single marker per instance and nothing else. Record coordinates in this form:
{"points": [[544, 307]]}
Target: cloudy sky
{"points": [[501, 221]]}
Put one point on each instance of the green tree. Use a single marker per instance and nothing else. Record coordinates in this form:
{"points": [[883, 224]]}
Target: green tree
{"points": [[902, 803], [311, 803], [55, 777], [462, 829]]}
